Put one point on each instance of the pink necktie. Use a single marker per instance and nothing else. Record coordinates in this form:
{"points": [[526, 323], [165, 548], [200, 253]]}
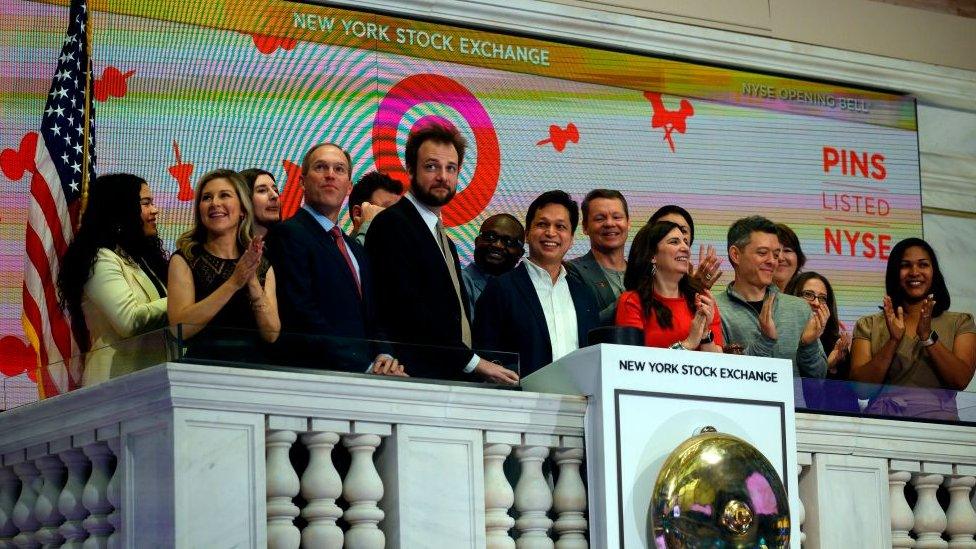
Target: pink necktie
{"points": [[336, 233]]}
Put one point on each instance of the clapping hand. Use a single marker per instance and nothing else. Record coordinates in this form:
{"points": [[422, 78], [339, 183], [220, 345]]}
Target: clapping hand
{"points": [[923, 330], [766, 323], [707, 273], [245, 272], [816, 325], [840, 350], [895, 319]]}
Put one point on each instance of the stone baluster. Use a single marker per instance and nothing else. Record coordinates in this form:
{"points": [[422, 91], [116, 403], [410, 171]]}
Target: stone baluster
{"points": [[363, 489], [801, 512], [532, 499], [9, 488], [499, 495], [114, 495], [70, 501], [46, 508], [282, 481], [24, 508], [960, 517], [95, 495], [930, 519], [902, 517], [321, 486], [569, 495]]}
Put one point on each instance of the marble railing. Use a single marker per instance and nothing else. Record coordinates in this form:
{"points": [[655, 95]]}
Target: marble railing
{"points": [[184, 455]]}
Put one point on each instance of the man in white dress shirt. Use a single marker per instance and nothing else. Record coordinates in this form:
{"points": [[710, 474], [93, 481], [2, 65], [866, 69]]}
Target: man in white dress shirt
{"points": [[535, 310]]}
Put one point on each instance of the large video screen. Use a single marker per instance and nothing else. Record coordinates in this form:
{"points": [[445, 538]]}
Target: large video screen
{"points": [[186, 87]]}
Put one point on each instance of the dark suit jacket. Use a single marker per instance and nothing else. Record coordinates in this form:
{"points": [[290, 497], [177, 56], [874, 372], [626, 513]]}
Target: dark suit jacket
{"points": [[509, 318], [415, 297], [317, 295], [585, 269]]}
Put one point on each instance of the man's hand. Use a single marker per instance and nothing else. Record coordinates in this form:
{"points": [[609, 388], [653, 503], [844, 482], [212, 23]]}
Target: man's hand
{"points": [[370, 211], [766, 323], [386, 365], [495, 373]]}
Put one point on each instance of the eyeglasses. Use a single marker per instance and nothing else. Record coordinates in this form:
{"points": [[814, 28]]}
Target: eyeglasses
{"points": [[491, 237], [812, 296]]}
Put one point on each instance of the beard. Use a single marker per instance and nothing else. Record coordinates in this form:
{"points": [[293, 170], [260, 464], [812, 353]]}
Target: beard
{"points": [[429, 199]]}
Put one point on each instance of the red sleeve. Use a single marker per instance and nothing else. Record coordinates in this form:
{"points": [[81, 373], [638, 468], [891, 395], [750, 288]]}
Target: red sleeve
{"points": [[716, 328], [629, 310]]}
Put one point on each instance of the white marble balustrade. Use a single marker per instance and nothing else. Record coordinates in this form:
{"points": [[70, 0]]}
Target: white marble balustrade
{"points": [[182, 455]]}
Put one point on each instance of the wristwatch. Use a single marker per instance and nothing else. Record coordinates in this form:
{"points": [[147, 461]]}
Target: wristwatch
{"points": [[932, 340], [707, 339], [677, 346]]}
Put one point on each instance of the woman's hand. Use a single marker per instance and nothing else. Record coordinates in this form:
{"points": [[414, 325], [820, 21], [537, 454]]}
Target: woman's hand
{"points": [[923, 330], [894, 319], [816, 325], [841, 348], [247, 266], [708, 271]]}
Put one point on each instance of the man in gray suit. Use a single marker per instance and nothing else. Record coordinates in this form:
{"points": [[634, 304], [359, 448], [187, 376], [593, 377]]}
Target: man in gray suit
{"points": [[606, 221]]}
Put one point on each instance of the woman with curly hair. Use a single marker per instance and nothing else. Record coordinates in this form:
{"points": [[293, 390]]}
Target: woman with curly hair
{"points": [[111, 279]]}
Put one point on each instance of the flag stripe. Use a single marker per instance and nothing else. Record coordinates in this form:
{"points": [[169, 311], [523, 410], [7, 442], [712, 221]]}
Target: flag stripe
{"points": [[58, 326], [54, 206]]}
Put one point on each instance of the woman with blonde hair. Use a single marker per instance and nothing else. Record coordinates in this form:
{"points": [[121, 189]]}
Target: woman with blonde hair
{"points": [[220, 286]]}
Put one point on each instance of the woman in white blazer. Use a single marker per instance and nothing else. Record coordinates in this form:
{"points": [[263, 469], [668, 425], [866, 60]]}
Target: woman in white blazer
{"points": [[111, 280]]}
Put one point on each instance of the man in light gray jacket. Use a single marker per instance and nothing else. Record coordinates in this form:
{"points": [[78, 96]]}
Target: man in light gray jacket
{"points": [[756, 315]]}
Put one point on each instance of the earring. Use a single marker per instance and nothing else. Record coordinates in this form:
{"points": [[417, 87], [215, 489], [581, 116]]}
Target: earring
{"points": [[653, 270]]}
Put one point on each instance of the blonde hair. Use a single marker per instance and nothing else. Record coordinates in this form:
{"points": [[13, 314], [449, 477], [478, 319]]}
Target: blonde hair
{"points": [[197, 234]]}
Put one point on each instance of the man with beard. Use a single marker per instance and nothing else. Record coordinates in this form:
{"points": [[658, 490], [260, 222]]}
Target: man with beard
{"points": [[421, 299], [497, 249], [606, 221]]}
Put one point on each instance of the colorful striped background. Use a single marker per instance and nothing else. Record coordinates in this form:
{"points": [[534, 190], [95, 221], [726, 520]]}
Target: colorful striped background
{"points": [[229, 105]]}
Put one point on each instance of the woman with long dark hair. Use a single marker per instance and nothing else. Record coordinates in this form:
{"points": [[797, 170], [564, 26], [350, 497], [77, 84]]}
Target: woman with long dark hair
{"points": [[264, 198], [111, 278], [221, 289], [915, 341], [791, 258], [815, 289], [834, 395], [659, 298]]}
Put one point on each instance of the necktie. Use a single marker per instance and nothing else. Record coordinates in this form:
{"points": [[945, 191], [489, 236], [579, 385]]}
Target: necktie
{"points": [[445, 246], [336, 233]]}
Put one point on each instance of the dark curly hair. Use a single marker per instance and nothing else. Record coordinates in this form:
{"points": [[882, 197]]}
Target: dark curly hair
{"points": [[893, 276], [639, 277], [112, 220]]}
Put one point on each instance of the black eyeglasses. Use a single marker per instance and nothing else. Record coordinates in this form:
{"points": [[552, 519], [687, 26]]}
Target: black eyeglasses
{"points": [[491, 237], [811, 296]]}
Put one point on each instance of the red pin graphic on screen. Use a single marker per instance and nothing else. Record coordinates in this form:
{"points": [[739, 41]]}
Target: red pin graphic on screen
{"points": [[111, 84], [559, 136], [292, 193], [181, 172], [669, 120]]}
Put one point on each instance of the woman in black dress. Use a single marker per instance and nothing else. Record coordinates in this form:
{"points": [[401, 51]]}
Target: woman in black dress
{"points": [[221, 289]]}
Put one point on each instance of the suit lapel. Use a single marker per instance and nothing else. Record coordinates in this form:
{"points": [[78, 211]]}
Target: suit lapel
{"points": [[578, 293], [523, 283], [324, 240], [141, 278]]}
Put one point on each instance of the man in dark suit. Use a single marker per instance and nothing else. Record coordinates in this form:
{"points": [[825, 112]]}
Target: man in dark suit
{"points": [[606, 220], [324, 277], [419, 293], [536, 310]]}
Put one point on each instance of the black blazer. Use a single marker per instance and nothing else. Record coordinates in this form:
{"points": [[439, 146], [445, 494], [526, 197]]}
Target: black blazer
{"points": [[317, 295], [415, 298], [509, 317]]}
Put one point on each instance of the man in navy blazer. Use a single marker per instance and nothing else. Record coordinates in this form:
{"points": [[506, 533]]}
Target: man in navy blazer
{"points": [[324, 279], [536, 310]]}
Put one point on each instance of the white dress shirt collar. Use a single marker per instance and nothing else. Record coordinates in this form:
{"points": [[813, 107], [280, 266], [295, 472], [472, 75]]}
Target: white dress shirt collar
{"points": [[557, 307], [429, 217]]}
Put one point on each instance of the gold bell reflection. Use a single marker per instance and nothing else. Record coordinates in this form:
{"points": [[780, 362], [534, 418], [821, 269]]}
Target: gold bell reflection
{"points": [[718, 491]]}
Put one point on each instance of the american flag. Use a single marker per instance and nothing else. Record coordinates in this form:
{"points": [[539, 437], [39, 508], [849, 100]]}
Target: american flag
{"points": [[65, 161]]}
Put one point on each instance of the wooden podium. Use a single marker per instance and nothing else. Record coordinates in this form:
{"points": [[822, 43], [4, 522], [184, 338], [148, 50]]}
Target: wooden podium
{"points": [[643, 402]]}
